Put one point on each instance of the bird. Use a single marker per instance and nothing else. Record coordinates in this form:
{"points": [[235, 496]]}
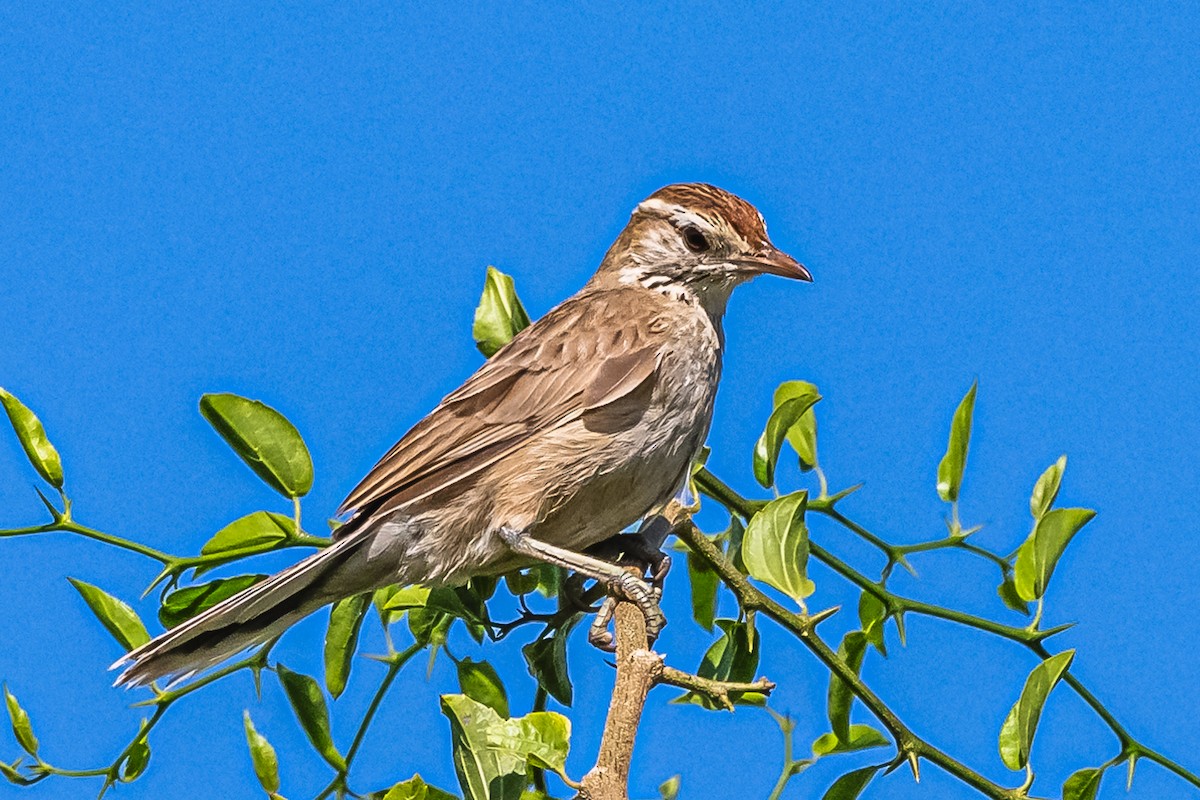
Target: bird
{"points": [[586, 422]]}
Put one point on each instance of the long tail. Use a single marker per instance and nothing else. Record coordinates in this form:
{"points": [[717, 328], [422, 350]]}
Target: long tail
{"points": [[250, 617]]}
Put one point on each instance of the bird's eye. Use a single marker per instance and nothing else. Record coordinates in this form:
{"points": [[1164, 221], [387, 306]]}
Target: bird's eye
{"points": [[694, 238]]}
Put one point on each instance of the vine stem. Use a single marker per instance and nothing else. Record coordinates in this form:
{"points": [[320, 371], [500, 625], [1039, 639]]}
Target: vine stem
{"points": [[395, 662], [1033, 639], [752, 599]]}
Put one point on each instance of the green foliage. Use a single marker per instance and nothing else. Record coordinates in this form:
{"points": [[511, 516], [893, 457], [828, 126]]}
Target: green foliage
{"points": [[793, 405], [775, 547], [341, 640], [304, 694], [950, 469], [1046, 489], [704, 584], [841, 696], [733, 657], [416, 789], [546, 658], [116, 616], [1039, 554], [493, 755], [852, 784], [802, 435], [859, 737], [264, 439], [33, 439], [500, 315], [262, 755], [1016, 735], [21, 727], [260, 529], [183, 604], [1083, 785], [136, 761], [479, 681], [872, 614]]}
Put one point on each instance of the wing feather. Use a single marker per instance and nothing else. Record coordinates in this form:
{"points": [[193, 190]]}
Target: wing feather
{"points": [[580, 358]]}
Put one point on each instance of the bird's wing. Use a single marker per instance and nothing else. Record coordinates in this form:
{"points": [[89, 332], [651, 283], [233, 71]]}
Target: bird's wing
{"points": [[581, 358]]}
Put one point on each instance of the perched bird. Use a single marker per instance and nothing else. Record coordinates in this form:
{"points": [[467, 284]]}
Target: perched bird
{"points": [[586, 422]]}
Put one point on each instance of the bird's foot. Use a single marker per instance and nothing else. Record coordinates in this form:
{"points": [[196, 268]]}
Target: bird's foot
{"points": [[632, 550], [622, 583]]}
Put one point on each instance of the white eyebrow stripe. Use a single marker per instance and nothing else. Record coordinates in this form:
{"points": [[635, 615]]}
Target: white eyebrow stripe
{"points": [[677, 214], [654, 204]]}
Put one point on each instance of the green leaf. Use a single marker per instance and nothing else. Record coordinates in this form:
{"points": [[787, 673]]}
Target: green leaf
{"points": [[429, 626], [406, 598], [704, 582], [32, 436], [841, 697], [463, 603], [118, 618], [262, 754], [521, 581], [735, 534], [550, 579], [304, 693], [950, 470], [416, 789], [861, 737], [775, 547], [183, 604], [500, 315], [264, 439], [547, 661], [1046, 488], [1038, 556], [669, 789], [341, 640], [733, 657], [803, 435], [546, 737], [21, 727], [1016, 735], [492, 754], [1008, 593], [851, 785], [253, 530], [136, 761], [1083, 785], [479, 681], [782, 420], [872, 615], [10, 773]]}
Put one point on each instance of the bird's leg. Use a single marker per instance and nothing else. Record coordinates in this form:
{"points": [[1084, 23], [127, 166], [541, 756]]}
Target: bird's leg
{"points": [[618, 580]]}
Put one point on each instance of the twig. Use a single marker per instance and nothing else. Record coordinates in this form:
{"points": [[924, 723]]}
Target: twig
{"points": [[718, 691], [751, 598]]}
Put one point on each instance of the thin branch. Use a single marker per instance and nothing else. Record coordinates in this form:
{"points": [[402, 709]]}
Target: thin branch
{"points": [[750, 597], [1030, 638], [718, 691]]}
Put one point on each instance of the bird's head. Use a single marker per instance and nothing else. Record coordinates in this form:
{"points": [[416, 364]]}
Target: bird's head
{"points": [[696, 239]]}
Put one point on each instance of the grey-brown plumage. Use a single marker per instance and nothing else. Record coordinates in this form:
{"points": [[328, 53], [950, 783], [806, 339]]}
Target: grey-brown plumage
{"points": [[586, 422]]}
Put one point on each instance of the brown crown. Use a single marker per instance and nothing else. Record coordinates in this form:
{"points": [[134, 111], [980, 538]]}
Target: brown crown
{"points": [[713, 203]]}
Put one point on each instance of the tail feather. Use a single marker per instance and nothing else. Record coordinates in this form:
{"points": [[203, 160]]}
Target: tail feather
{"points": [[250, 617]]}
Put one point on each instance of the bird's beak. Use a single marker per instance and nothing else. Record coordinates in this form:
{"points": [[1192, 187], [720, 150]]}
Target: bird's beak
{"points": [[777, 262]]}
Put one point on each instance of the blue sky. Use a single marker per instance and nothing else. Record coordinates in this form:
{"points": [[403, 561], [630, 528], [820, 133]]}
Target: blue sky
{"points": [[297, 204]]}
